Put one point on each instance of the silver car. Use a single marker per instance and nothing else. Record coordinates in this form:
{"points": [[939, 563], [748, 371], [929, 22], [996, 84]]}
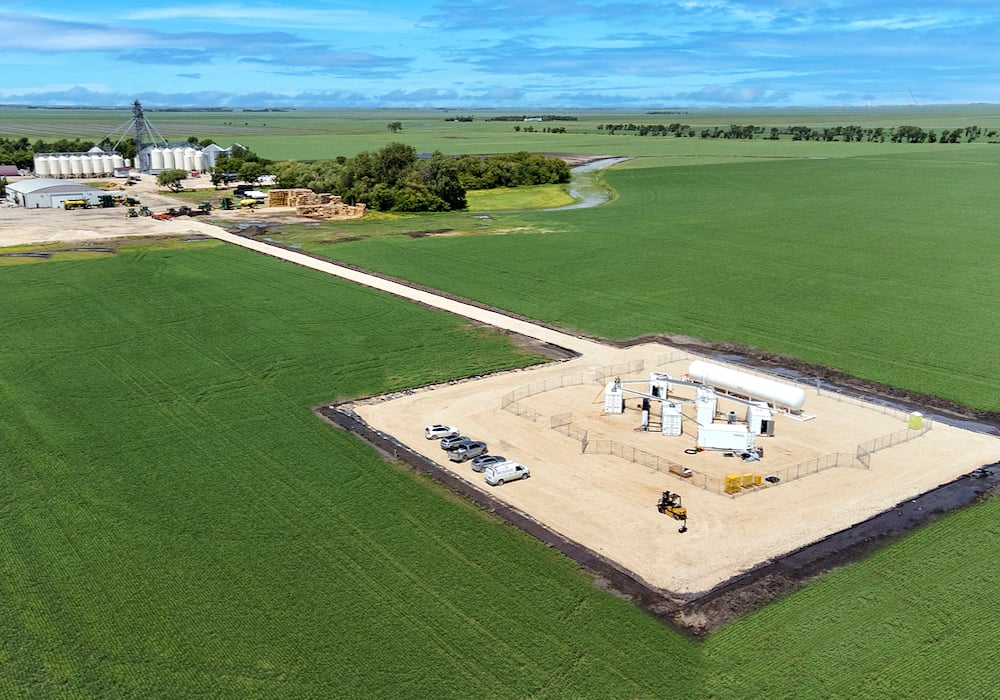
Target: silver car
{"points": [[467, 450], [453, 441], [482, 461]]}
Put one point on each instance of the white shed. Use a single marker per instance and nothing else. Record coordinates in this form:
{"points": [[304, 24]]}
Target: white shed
{"points": [[49, 193]]}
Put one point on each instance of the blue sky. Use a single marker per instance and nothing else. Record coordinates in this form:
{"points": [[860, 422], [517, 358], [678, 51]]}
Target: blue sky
{"points": [[500, 53]]}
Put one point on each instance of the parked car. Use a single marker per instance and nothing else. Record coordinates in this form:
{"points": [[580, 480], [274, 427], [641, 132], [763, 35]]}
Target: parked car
{"points": [[482, 461], [467, 450], [453, 441], [499, 474], [438, 431]]}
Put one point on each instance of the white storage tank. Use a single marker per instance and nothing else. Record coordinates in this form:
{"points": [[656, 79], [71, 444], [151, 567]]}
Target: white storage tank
{"points": [[107, 164], [156, 159], [189, 159], [86, 166], [117, 162], [752, 386], [42, 166], [199, 161], [75, 169], [168, 159]]}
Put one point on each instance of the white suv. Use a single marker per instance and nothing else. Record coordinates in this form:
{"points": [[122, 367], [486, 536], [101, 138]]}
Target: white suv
{"points": [[438, 431]]}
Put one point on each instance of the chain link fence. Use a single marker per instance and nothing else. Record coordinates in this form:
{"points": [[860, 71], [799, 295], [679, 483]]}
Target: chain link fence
{"points": [[601, 374], [867, 449], [511, 402]]}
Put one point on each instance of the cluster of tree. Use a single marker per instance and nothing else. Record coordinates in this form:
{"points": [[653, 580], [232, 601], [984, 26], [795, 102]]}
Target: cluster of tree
{"points": [[460, 118], [395, 178], [648, 129], [545, 130], [510, 170], [535, 117], [850, 133]]}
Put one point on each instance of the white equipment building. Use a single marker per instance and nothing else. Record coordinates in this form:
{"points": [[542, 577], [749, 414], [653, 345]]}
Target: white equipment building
{"points": [[48, 193]]}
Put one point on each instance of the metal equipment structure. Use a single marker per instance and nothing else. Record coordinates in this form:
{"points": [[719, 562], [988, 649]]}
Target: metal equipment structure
{"points": [[670, 504], [145, 135]]}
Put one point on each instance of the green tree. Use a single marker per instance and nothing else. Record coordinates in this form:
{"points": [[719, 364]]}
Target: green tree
{"points": [[251, 171], [395, 127], [171, 179]]}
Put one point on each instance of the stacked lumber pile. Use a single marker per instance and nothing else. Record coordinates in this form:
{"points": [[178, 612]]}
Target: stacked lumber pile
{"points": [[316, 206]]}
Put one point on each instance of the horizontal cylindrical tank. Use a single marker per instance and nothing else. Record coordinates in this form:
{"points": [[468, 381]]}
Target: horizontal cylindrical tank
{"points": [[781, 394], [42, 166]]}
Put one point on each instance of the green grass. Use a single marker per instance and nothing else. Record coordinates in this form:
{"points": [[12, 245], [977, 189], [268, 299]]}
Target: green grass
{"points": [[917, 620], [881, 266], [178, 523]]}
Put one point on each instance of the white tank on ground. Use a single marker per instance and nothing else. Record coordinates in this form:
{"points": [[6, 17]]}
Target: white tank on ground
{"points": [[65, 169], [199, 161], [749, 385], [189, 159], [168, 159], [156, 159], [42, 166], [86, 166], [75, 168]]}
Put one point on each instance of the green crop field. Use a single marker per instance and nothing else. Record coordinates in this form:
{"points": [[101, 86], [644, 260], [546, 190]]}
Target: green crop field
{"points": [[882, 266], [176, 521]]}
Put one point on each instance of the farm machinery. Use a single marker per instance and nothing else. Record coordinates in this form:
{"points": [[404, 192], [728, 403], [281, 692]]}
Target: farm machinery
{"points": [[670, 504]]}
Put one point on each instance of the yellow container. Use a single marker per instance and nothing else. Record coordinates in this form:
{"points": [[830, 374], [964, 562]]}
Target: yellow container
{"points": [[758, 479], [915, 421], [747, 480], [733, 483]]}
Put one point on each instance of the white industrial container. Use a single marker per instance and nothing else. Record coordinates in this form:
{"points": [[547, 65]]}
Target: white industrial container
{"points": [[117, 161], [659, 384], [705, 403], [65, 169], [199, 162], [614, 399], [107, 163], [760, 419], [671, 419], [75, 168], [752, 386], [189, 159], [42, 166], [722, 436], [168, 159], [86, 166]]}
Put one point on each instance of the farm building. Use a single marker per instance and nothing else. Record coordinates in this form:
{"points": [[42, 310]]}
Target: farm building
{"points": [[48, 193]]}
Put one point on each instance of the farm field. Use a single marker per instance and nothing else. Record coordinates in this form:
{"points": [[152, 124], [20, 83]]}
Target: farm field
{"points": [[188, 557], [178, 522], [874, 264], [317, 134]]}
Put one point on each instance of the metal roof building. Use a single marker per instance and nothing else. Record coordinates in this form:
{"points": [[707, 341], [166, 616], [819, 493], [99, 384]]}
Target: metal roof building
{"points": [[48, 193]]}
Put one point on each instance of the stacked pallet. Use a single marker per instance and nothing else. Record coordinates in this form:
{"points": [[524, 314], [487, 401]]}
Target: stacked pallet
{"points": [[299, 196], [332, 210]]}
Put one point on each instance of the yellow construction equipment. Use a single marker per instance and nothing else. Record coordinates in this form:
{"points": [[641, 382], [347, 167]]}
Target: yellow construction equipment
{"points": [[670, 504]]}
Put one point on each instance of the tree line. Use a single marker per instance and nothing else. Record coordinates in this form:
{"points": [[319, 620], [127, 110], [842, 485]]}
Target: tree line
{"points": [[850, 133], [396, 178]]}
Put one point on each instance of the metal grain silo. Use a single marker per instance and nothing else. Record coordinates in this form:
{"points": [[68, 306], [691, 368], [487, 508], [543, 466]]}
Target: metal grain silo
{"points": [[107, 164], [199, 162], [86, 165], [42, 166], [64, 168], [117, 161], [189, 159], [156, 159], [75, 168]]}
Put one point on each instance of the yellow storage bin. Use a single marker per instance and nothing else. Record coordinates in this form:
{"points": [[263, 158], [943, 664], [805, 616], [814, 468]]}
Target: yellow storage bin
{"points": [[758, 479], [747, 480], [733, 483]]}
